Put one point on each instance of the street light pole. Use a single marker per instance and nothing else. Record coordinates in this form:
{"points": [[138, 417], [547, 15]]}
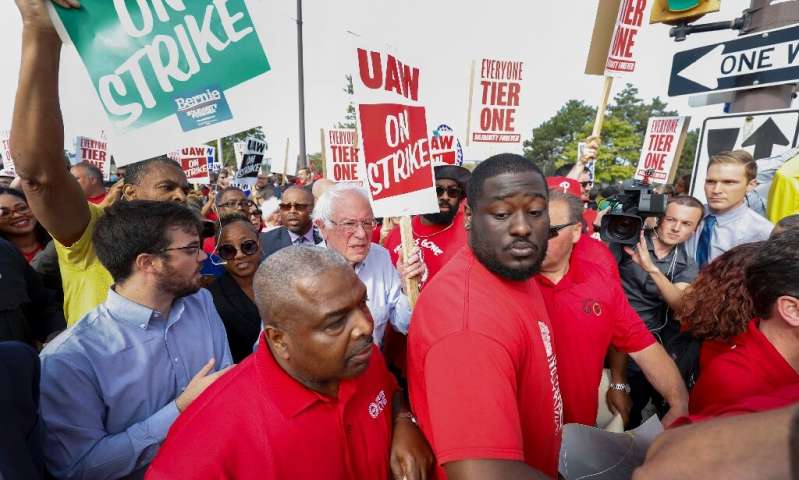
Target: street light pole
{"points": [[301, 80]]}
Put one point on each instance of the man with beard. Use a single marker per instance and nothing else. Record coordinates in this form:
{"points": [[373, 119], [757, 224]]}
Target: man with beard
{"points": [[54, 196], [296, 206], [113, 383], [481, 364], [438, 235]]}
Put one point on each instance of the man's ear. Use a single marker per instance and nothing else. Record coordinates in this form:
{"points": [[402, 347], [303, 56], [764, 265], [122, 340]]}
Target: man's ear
{"points": [[467, 217], [146, 263], [278, 339], [751, 185], [788, 308], [129, 192]]}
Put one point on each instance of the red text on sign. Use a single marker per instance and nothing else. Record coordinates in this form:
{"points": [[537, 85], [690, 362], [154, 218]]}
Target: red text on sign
{"points": [[396, 77]]}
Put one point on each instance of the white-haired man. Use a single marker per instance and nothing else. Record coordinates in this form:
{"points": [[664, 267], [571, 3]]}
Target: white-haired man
{"points": [[344, 217]]}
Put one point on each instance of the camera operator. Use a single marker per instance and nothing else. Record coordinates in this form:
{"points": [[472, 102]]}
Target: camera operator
{"points": [[654, 276]]}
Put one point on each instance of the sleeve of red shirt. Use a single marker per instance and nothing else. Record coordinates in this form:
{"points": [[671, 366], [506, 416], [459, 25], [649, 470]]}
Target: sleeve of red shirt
{"points": [[473, 408], [629, 331], [718, 386]]}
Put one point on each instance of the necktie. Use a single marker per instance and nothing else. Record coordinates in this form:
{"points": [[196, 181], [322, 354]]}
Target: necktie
{"points": [[703, 247], [299, 241]]}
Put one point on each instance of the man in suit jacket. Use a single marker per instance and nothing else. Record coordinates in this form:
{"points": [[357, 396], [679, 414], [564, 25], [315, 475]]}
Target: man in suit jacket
{"points": [[296, 206]]}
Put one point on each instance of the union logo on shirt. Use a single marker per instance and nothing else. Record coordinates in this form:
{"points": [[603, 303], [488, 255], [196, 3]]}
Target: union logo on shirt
{"points": [[376, 407], [592, 306]]}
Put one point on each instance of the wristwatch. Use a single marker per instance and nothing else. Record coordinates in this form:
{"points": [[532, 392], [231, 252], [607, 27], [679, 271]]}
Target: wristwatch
{"points": [[620, 386]]}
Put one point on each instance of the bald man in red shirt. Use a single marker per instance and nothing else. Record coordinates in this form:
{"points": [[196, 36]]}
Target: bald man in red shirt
{"points": [[314, 401]]}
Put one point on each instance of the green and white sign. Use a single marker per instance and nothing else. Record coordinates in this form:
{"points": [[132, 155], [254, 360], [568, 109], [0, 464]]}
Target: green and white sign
{"points": [[169, 72]]}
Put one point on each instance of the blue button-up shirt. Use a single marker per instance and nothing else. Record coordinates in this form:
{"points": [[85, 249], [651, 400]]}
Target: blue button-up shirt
{"points": [[109, 383], [735, 227]]}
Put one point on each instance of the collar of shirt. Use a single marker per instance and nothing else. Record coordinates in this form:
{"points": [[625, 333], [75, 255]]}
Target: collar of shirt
{"points": [[290, 396], [523, 286], [127, 311], [574, 276], [308, 236], [729, 216]]}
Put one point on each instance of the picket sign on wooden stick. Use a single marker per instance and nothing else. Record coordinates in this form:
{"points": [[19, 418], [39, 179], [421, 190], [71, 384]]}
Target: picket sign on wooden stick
{"points": [[603, 105], [286, 162], [411, 284], [324, 153]]}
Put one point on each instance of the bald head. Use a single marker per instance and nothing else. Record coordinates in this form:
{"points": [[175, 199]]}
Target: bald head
{"points": [[321, 186], [275, 282]]}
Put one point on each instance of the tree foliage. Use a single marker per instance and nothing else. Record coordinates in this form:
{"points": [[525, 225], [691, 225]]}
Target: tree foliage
{"points": [[349, 116]]}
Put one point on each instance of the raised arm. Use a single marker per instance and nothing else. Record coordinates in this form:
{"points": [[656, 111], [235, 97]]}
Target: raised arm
{"points": [[37, 129]]}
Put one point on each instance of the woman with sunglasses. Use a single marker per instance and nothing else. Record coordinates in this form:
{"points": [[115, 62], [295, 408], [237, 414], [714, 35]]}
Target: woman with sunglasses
{"points": [[238, 246]]}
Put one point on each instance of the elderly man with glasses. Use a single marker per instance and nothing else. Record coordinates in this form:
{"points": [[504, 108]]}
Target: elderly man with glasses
{"points": [[296, 206], [345, 219]]}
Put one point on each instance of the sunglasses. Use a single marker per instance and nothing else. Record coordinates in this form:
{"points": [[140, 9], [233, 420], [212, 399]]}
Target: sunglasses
{"points": [[554, 230], [228, 252], [300, 207], [237, 204], [586, 184], [452, 192]]}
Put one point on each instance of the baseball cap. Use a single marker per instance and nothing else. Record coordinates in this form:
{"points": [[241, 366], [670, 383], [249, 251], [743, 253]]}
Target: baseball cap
{"points": [[565, 184]]}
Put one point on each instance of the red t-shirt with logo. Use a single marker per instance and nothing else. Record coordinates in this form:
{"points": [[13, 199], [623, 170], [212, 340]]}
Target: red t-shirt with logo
{"points": [[481, 368], [438, 243], [257, 422], [589, 312], [751, 366]]}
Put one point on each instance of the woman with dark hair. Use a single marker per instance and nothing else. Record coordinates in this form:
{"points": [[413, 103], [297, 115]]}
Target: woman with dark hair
{"points": [[238, 244], [19, 226]]}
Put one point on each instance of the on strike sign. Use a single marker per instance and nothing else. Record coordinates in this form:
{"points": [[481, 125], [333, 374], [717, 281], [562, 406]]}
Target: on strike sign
{"points": [[621, 55], [342, 155], [95, 152], [194, 161], [395, 145], [663, 143], [496, 100]]}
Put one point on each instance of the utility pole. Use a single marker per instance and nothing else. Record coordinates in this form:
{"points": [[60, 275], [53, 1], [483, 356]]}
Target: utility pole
{"points": [[303, 160], [766, 16]]}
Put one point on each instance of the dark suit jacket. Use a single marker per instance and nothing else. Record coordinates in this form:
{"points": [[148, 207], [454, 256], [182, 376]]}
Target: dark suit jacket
{"points": [[278, 238], [239, 314]]}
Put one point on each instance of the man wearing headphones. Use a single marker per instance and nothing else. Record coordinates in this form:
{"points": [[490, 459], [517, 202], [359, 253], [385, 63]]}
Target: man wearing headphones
{"points": [[655, 275]]}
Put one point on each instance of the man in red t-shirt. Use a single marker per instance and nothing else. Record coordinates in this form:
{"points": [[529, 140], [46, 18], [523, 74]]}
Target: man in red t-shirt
{"points": [[481, 366], [766, 356], [90, 179], [314, 401], [589, 313], [438, 235]]}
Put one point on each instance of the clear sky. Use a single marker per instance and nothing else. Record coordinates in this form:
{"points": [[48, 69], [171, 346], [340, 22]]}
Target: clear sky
{"points": [[442, 37]]}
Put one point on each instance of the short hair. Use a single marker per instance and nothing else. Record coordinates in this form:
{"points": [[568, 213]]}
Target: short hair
{"points": [[323, 210], [91, 170], [227, 190], [135, 172], [687, 201], [231, 218], [736, 157], [497, 165], [275, 281], [563, 170], [574, 204], [773, 273], [304, 191], [791, 222], [129, 229]]}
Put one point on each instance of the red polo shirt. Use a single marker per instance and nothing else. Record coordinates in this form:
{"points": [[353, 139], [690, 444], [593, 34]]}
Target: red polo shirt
{"points": [[589, 312], [256, 422], [481, 368], [438, 243], [597, 252], [751, 366], [781, 397]]}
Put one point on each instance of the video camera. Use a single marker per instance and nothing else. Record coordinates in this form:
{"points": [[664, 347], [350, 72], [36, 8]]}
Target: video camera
{"points": [[623, 223]]}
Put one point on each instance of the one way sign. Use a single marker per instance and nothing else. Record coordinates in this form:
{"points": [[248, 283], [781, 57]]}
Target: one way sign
{"points": [[763, 134], [757, 60]]}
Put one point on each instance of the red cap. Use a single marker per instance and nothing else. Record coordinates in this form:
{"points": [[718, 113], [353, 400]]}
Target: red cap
{"points": [[566, 185]]}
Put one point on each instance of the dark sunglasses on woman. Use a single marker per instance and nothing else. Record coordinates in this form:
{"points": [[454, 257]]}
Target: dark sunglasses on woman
{"points": [[228, 251]]}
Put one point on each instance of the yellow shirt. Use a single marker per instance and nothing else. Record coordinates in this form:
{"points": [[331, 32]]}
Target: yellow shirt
{"points": [[84, 278], [783, 197]]}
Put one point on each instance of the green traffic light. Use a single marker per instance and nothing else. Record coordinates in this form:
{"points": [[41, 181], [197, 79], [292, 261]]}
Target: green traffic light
{"points": [[682, 5]]}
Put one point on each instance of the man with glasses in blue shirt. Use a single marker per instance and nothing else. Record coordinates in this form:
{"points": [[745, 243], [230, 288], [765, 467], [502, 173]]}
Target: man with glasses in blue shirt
{"points": [[113, 383]]}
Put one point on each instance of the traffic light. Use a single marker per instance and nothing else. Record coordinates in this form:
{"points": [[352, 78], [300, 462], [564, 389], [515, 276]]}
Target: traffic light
{"points": [[681, 11]]}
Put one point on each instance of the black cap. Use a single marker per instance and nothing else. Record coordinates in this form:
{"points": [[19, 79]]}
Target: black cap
{"points": [[453, 172]]}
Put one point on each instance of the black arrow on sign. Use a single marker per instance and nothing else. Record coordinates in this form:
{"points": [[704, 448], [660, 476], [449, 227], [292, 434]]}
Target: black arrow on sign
{"points": [[764, 139]]}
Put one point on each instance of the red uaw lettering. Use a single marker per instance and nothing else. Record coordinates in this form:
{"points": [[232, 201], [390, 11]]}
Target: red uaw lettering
{"points": [[399, 78]]}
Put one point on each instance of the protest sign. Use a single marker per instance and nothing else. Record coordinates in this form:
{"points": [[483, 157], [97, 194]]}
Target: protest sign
{"points": [[249, 157], [395, 148], [621, 59], [663, 144], [341, 155], [169, 73], [95, 152], [445, 148], [5, 151], [496, 96], [195, 162]]}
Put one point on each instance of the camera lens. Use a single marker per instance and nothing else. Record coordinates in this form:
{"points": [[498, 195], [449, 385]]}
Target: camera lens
{"points": [[621, 228]]}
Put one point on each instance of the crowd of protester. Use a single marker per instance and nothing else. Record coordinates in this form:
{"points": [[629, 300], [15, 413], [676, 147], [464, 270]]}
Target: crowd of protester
{"points": [[154, 329]]}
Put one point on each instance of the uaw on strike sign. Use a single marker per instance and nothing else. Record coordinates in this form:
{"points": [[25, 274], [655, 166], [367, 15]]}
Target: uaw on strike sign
{"points": [[395, 143], [169, 72], [195, 162]]}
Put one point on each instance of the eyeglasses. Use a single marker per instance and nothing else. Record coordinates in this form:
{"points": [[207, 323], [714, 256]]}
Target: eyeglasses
{"points": [[452, 192], [554, 230], [19, 208], [350, 226], [228, 251], [192, 249], [242, 204], [300, 207]]}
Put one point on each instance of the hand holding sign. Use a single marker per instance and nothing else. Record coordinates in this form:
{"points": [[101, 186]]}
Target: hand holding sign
{"points": [[34, 13]]}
